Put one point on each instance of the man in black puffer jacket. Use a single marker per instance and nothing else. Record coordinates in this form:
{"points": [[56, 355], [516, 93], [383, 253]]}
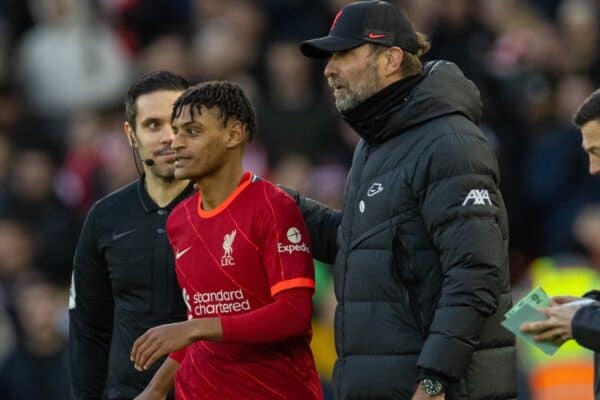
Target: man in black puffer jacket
{"points": [[420, 248]]}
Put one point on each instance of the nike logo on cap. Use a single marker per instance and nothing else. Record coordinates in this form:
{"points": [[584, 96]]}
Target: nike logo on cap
{"points": [[376, 35], [181, 253], [117, 236]]}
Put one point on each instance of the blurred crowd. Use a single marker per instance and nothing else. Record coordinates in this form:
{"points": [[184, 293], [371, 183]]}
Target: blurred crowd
{"points": [[65, 66]]}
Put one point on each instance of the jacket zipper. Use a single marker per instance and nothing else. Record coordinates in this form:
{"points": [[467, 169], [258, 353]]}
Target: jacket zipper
{"points": [[354, 205], [417, 309], [413, 295]]}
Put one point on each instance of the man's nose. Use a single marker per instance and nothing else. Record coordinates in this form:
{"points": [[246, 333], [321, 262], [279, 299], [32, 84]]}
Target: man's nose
{"points": [[330, 68], [177, 143], [168, 135]]}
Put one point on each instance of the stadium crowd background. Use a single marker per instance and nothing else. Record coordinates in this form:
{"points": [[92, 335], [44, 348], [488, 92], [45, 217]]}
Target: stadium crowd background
{"points": [[65, 66]]}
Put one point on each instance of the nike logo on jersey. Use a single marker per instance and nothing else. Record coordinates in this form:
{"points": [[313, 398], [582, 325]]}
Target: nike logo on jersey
{"points": [[179, 254], [117, 236]]}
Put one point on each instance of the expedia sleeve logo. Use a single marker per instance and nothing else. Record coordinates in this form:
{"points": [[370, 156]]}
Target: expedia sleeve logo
{"points": [[294, 237]]}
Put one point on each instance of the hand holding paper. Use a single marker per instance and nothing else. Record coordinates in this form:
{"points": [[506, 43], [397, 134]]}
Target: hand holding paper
{"points": [[526, 311], [557, 327], [528, 314]]}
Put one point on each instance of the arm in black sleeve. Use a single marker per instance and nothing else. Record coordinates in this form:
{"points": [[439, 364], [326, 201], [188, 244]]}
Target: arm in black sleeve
{"points": [[464, 213], [593, 294], [322, 223], [91, 317], [586, 327]]}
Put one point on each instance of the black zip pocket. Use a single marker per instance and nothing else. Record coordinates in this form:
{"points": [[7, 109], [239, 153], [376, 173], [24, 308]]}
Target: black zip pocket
{"points": [[403, 272]]}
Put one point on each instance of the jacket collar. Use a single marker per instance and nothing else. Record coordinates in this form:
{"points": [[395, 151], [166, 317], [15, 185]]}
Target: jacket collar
{"points": [[369, 117], [150, 206]]}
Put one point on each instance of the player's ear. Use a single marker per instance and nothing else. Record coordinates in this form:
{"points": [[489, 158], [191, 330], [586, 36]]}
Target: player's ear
{"points": [[128, 131], [236, 134]]}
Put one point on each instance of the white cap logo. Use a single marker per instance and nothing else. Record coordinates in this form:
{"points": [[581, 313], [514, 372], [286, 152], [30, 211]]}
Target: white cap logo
{"points": [[293, 235]]}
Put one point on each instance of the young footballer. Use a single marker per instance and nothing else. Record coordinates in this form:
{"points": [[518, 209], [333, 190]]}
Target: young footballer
{"points": [[244, 265]]}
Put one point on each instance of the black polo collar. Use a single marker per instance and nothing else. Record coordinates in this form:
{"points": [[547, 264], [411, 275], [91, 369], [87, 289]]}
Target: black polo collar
{"points": [[149, 204]]}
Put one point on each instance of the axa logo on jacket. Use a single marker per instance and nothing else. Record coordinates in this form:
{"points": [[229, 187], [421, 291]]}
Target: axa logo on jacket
{"points": [[480, 197]]}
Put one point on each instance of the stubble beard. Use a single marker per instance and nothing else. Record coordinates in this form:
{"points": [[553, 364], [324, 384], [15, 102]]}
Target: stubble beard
{"points": [[165, 173], [365, 88]]}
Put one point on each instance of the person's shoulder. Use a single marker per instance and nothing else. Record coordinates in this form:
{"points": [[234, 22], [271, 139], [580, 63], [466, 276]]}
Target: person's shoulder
{"points": [[273, 194], [446, 140], [123, 194], [178, 217], [181, 209], [456, 154], [190, 201], [275, 205]]}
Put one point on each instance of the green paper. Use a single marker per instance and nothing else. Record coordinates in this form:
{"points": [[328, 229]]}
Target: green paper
{"points": [[528, 314], [537, 298]]}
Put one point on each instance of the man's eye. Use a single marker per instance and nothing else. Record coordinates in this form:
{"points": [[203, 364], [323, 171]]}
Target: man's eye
{"points": [[340, 54], [153, 125]]}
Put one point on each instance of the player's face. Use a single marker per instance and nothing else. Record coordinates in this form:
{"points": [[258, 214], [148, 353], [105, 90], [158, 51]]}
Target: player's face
{"points": [[201, 143], [590, 134], [153, 132], [353, 76]]}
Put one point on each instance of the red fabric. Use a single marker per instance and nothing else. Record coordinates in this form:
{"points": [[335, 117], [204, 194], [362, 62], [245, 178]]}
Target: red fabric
{"points": [[289, 315], [245, 262], [178, 355]]}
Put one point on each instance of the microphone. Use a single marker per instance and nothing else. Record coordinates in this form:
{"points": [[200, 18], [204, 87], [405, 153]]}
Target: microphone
{"points": [[149, 162]]}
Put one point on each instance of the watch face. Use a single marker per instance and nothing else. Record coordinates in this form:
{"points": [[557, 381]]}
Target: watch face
{"points": [[432, 387]]}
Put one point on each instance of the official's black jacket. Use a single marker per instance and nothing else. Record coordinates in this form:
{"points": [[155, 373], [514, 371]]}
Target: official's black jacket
{"points": [[420, 249], [124, 283], [586, 332]]}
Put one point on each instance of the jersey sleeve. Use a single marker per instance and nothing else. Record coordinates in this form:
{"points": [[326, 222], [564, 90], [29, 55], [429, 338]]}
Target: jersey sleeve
{"points": [[90, 314], [286, 246], [289, 315]]}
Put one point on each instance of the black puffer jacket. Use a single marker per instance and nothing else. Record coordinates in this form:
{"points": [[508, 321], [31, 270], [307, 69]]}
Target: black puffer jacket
{"points": [[586, 332], [420, 249]]}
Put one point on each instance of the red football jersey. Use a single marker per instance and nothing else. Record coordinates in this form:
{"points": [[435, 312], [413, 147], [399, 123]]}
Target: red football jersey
{"points": [[232, 260]]}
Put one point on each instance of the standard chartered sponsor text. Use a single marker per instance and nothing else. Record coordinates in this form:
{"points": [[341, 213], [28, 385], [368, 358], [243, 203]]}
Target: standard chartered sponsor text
{"points": [[221, 302]]}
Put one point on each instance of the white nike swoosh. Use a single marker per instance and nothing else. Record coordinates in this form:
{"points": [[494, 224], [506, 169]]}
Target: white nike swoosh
{"points": [[117, 236], [182, 252]]}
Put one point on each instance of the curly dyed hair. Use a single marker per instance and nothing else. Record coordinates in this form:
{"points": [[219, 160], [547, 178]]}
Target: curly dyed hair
{"points": [[227, 96]]}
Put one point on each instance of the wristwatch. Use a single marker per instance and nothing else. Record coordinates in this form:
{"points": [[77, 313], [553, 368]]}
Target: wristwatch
{"points": [[432, 387]]}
